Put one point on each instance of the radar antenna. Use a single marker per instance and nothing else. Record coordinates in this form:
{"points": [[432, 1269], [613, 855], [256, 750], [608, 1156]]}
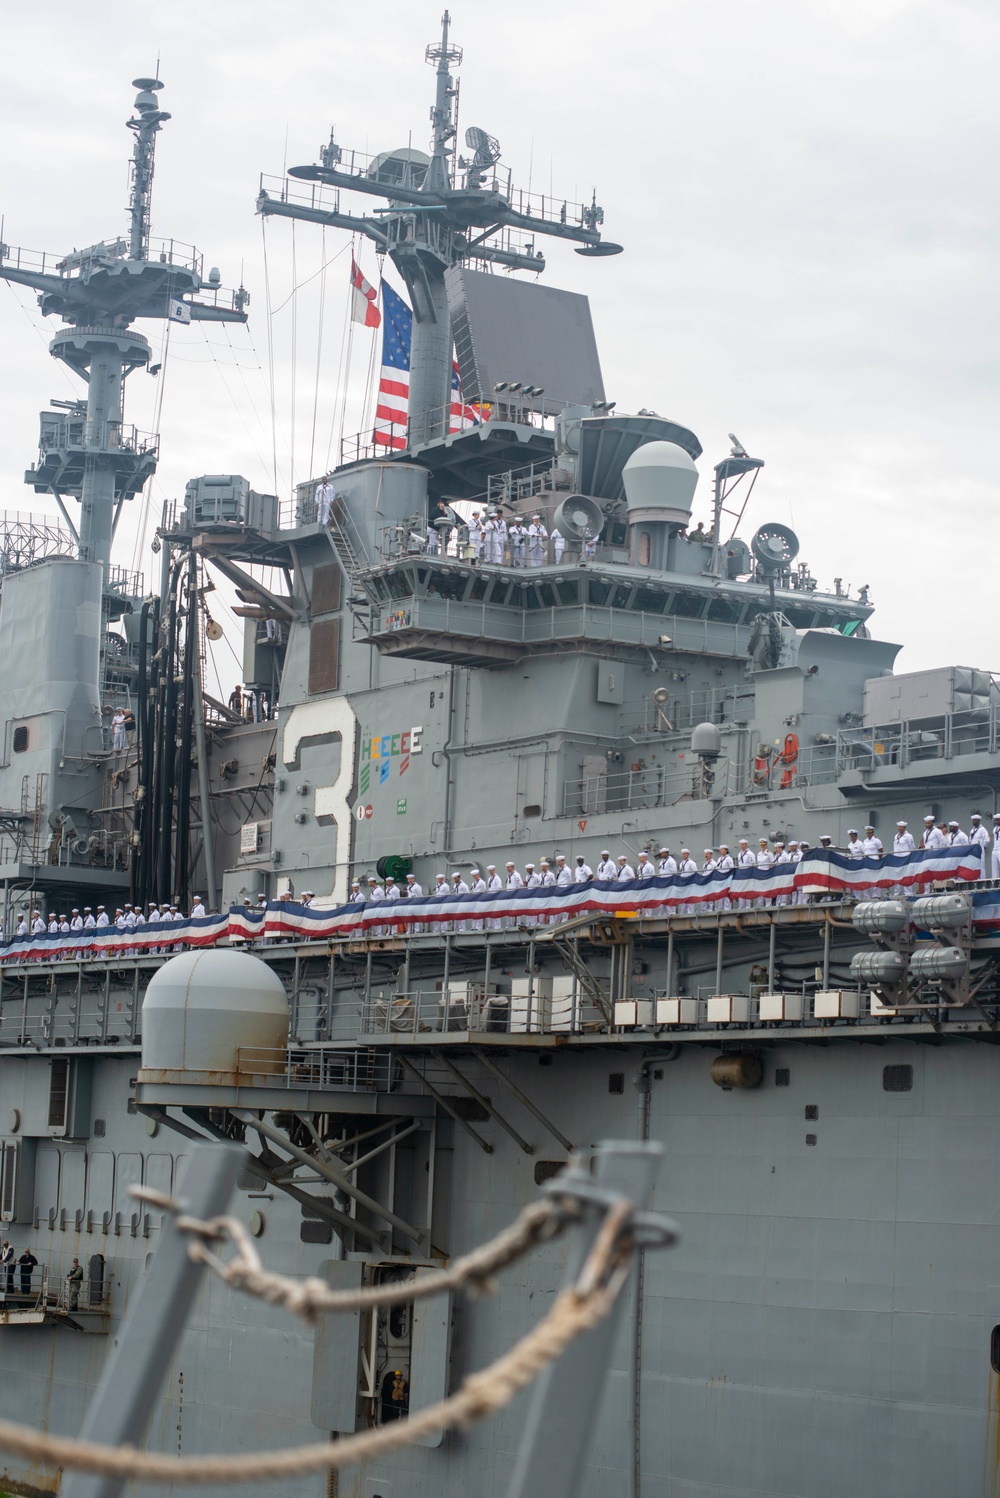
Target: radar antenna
{"points": [[433, 223]]}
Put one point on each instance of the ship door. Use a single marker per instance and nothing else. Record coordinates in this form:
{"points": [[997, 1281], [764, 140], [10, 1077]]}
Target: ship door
{"points": [[530, 786]]}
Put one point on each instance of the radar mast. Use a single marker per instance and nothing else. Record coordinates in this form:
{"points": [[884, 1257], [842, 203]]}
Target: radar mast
{"points": [[86, 451], [435, 221]]}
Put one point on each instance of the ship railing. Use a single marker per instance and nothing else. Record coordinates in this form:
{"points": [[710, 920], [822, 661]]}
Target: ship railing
{"points": [[301, 1067], [643, 787], [918, 740], [49, 1289], [176, 252], [517, 483], [384, 438], [430, 1011]]}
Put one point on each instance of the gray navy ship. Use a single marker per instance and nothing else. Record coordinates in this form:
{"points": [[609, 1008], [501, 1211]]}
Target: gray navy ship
{"points": [[491, 637]]}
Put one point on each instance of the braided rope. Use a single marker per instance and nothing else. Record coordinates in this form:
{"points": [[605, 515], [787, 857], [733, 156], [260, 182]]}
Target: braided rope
{"points": [[574, 1312]]}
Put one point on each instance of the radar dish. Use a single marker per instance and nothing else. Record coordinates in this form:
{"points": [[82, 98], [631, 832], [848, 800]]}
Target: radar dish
{"points": [[486, 146], [775, 546], [603, 247]]}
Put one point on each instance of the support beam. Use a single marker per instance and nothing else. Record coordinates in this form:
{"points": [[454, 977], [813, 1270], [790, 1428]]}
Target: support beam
{"points": [[243, 579], [529, 1149], [335, 1176], [446, 1104], [526, 1102]]}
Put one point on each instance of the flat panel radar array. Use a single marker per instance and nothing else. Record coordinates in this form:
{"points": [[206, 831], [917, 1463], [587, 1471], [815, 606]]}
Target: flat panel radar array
{"points": [[540, 336]]}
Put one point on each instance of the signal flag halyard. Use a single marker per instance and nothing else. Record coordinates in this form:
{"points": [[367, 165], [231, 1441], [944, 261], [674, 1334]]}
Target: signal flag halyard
{"points": [[363, 295]]}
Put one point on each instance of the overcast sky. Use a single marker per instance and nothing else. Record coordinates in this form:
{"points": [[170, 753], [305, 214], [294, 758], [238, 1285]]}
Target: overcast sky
{"points": [[806, 192]]}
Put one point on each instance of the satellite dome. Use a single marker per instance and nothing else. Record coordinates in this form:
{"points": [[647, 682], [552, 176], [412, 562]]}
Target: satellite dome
{"points": [[202, 1008], [660, 479]]}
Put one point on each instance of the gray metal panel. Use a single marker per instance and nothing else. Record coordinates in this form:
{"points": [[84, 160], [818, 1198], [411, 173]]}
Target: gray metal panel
{"points": [[429, 1355], [517, 330], [336, 1354]]}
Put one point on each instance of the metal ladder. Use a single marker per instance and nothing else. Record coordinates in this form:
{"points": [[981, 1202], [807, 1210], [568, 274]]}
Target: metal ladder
{"points": [[350, 558], [569, 953]]}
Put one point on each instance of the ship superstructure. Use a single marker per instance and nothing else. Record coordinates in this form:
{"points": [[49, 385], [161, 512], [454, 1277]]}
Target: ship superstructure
{"points": [[822, 1079]]}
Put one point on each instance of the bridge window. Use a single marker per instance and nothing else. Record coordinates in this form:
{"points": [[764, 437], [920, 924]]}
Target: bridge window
{"points": [[598, 591], [648, 601], [569, 592]]}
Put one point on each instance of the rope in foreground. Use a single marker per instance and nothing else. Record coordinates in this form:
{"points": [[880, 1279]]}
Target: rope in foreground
{"points": [[575, 1311]]}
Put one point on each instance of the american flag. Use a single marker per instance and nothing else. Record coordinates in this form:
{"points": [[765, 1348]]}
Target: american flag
{"points": [[394, 383]]}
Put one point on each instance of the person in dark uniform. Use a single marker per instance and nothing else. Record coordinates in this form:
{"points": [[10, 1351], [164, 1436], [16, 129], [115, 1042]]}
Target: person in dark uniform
{"points": [[7, 1266], [73, 1282], [26, 1264]]}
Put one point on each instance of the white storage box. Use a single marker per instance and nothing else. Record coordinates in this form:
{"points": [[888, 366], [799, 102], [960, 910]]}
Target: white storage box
{"points": [[878, 1009], [677, 1011], [530, 1004], [563, 1013], [634, 1012], [728, 1009], [780, 1006], [836, 1003]]}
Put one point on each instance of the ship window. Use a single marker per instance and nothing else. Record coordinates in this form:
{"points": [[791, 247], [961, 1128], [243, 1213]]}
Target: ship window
{"points": [[326, 589], [648, 601], [812, 1112], [530, 599], [810, 1139], [897, 1079], [377, 586], [479, 586], [447, 584], [400, 584], [547, 593], [100, 1128], [532, 811], [569, 592], [995, 1349], [500, 590], [20, 740], [688, 605], [623, 593], [421, 575], [598, 591], [782, 1076], [324, 656], [725, 610], [546, 1169], [645, 549], [616, 1082]]}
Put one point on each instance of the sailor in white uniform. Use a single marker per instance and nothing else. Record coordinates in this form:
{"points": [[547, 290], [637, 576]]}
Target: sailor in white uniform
{"points": [[995, 860], [197, 909], [855, 847], [872, 844], [558, 545], [644, 869], [22, 925], [88, 919], [76, 924], [514, 882], [532, 880], [745, 859], [476, 534], [537, 537], [517, 535], [956, 837], [324, 497], [583, 871], [784, 861], [624, 870], [981, 838], [607, 868], [903, 842], [477, 886], [118, 730], [667, 866], [933, 836], [494, 885]]}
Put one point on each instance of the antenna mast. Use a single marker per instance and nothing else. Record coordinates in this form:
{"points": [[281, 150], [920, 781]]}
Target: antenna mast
{"points": [[150, 118]]}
